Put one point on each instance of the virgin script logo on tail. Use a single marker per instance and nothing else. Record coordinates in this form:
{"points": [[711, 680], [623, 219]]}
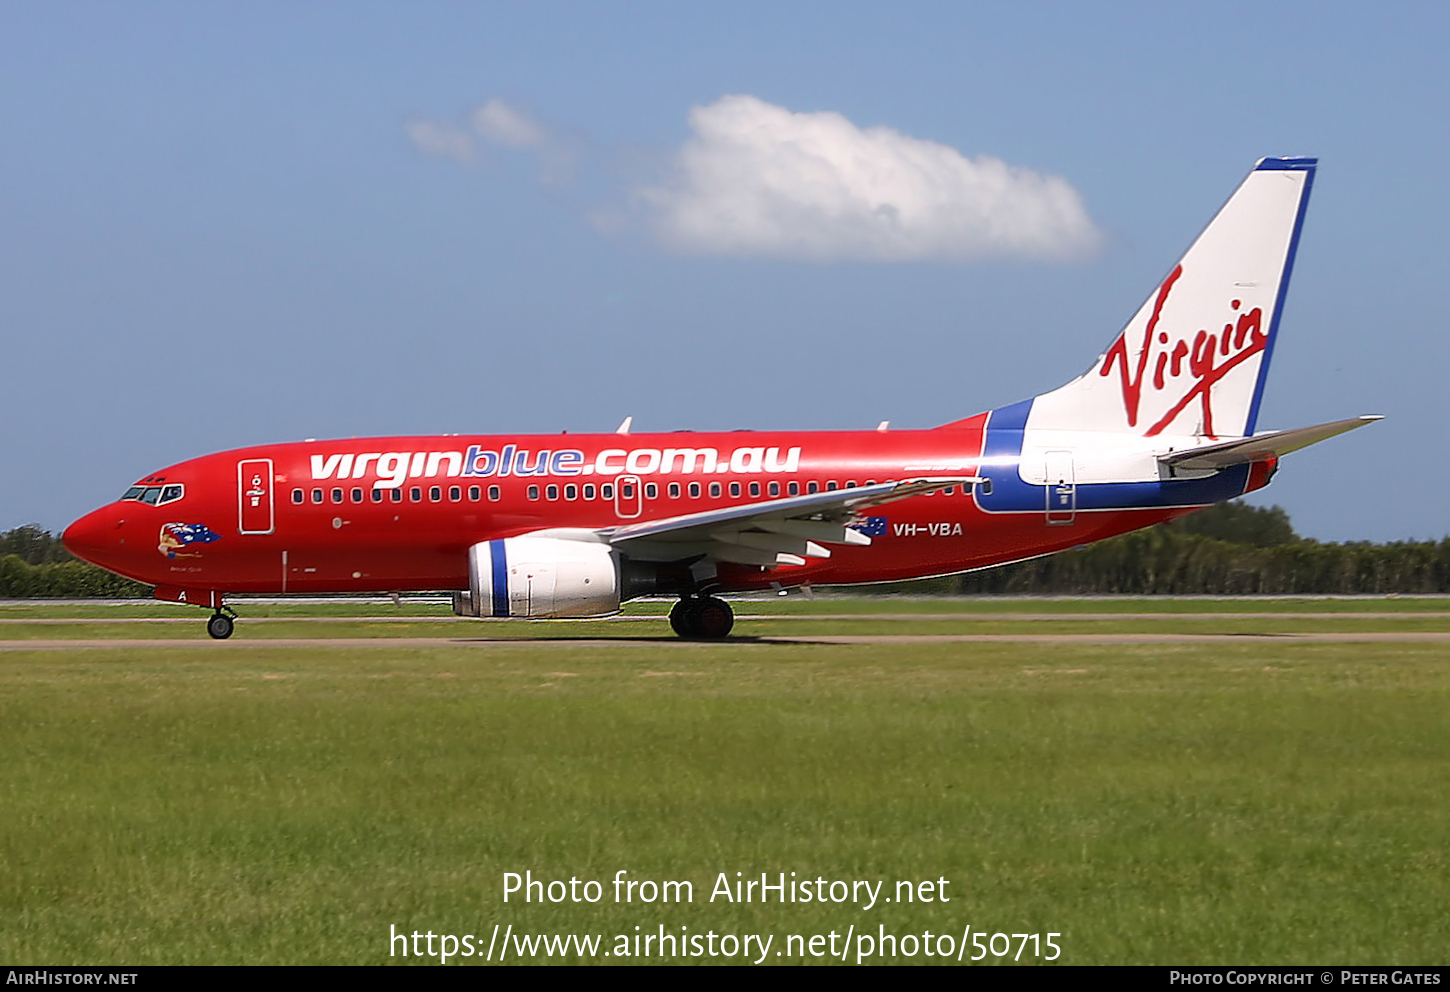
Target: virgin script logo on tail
{"points": [[1180, 370]]}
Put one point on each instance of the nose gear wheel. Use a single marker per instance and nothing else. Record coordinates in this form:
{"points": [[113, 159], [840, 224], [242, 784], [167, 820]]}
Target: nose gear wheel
{"points": [[219, 626], [221, 623]]}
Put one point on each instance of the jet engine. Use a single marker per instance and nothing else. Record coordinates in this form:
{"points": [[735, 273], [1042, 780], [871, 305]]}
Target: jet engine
{"points": [[540, 577]]}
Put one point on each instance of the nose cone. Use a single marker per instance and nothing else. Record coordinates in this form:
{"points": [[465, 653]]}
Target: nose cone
{"points": [[96, 537]]}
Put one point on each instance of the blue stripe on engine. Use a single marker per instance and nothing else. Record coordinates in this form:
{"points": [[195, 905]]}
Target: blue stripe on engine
{"points": [[499, 559]]}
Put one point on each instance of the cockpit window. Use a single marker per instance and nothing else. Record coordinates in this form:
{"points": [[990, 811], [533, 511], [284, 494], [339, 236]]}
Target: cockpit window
{"points": [[156, 495]]}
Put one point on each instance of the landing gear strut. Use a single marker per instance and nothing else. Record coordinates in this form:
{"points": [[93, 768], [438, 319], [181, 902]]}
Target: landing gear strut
{"points": [[702, 618], [220, 625]]}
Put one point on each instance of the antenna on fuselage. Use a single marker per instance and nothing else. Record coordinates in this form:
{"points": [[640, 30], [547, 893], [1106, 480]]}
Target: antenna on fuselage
{"points": [[624, 426]]}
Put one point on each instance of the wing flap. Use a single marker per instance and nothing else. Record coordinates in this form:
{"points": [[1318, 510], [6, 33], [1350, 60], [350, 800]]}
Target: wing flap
{"points": [[773, 532]]}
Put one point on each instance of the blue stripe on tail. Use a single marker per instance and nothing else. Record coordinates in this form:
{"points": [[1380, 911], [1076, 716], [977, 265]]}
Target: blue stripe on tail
{"points": [[1002, 452], [1307, 166]]}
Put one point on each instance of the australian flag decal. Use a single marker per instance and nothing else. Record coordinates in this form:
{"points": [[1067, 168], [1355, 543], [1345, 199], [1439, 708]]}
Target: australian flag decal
{"points": [[175, 537], [193, 533], [871, 526]]}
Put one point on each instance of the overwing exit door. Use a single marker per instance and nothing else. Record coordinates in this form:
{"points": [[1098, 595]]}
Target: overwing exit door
{"points": [[628, 500]]}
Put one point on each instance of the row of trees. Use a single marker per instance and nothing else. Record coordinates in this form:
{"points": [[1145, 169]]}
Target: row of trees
{"points": [[1229, 549], [35, 565], [1161, 561]]}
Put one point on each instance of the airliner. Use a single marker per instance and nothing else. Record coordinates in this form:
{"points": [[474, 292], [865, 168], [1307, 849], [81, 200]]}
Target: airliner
{"points": [[574, 525]]}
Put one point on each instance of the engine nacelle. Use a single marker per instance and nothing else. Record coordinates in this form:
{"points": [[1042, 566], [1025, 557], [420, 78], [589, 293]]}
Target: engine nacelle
{"points": [[540, 577]]}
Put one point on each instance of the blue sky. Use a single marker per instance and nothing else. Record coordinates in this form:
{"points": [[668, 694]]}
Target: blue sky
{"points": [[222, 226]]}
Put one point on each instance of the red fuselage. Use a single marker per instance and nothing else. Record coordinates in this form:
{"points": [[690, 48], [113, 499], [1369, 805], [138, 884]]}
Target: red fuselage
{"points": [[399, 514]]}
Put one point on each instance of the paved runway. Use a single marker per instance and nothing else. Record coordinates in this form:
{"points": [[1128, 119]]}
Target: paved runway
{"points": [[962, 617], [241, 643]]}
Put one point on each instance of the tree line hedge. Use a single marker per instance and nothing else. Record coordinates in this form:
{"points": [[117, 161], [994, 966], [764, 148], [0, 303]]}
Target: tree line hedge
{"points": [[1161, 561], [35, 565], [63, 580]]}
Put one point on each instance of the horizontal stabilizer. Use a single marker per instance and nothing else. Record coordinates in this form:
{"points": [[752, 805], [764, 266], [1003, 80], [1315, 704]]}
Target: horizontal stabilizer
{"points": [[1260, 447]]}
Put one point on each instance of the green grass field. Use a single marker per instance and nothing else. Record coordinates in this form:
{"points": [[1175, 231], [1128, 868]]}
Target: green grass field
{"points": [[1235, 802]]}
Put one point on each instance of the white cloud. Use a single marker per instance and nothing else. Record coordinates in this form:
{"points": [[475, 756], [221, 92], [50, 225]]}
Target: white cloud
{"points": [[758, 180], [498, 124], [504, 125], [442, 139]]}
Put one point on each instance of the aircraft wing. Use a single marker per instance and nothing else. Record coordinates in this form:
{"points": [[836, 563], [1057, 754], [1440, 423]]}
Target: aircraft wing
{"points": [[773, 532], [1259, 447]]}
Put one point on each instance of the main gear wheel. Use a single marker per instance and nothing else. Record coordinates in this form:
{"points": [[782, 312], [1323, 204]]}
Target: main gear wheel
{"points": [[706, 618]]}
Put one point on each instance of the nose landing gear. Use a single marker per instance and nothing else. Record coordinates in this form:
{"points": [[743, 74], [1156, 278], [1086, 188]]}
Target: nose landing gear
{"points": [[221, 623], [702, 618]]}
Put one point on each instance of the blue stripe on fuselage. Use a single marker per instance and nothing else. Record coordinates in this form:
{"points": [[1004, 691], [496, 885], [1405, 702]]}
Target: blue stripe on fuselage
{"points": [[498, 558], [1003, 451]]}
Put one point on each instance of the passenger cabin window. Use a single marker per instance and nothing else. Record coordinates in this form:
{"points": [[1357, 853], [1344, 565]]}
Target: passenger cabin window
{"points": [[435, 493], [455, 493], [775, 489], [606, 491], [475, 493], [674, 490], [317, 495], [533, 492], [813, 487], [377, 495], [571, 491], [714, 490], [694, 490], [416, 494], [794, 488], [357, 496], [396, 494], [589, 490], [494, 494], [552, 492], [651, 491], [297, 496], [755, 489], [337, 495], [734, 489]]}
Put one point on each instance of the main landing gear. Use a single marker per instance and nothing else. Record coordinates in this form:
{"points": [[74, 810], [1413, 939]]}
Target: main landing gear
{"points": [[704, 618], [221, 623]]}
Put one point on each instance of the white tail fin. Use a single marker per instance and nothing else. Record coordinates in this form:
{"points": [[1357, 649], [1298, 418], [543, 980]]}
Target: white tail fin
{"points": [[1192, 361]]}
